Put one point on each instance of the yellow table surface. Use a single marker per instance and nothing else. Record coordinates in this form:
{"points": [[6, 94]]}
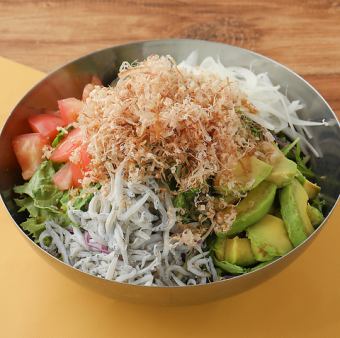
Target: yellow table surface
{"points": [[36, 301]]}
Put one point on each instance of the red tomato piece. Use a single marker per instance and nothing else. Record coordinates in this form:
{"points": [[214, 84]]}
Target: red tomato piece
{"points": [[64, 150], [85, 158], [28, 151], [77, 174], [70, 109], [69, 175], [46, 124], [63, 177]]}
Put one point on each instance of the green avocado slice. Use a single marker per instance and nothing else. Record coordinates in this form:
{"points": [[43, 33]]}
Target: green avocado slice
{"points": [[315, 216], [238, 251], [269, 238], [284, 170], [249, 173], [312, 189], [219, 248], [293, 201], [253, 207]]}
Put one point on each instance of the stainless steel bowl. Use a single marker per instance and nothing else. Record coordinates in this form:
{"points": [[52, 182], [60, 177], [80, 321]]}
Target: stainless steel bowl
{"points": [[70, 79]]}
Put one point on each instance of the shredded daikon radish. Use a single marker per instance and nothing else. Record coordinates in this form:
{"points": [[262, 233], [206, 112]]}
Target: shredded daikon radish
{"points": [[274, 111]]}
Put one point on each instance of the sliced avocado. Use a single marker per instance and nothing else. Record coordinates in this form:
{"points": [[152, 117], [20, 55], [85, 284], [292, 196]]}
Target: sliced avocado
{"points": [[229, 267], [269, 238], [315, 216], [249, 173], [238, 251], [219, 248], [293, 201], [235, 251], [253, 207], [312, 189], [284, 170]]}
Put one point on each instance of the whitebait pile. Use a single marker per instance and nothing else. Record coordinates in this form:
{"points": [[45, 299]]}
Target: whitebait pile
{"points": [[125, 236]]}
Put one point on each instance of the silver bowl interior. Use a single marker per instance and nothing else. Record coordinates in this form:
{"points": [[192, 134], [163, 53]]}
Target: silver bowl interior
{"points": [[69, 81]]}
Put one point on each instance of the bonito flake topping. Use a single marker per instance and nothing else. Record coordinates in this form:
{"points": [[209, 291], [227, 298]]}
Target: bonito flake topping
{"points": [[161, 119]]}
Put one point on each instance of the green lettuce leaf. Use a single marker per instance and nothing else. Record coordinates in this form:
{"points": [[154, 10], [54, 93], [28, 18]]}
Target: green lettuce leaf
{"points": [[43, 193], [34, 226], [27, 203], [82, 201], [79, 202], [42, 200]]}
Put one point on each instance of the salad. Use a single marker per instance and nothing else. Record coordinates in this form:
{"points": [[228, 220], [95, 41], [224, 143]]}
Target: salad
{"points": [[173, 175]]}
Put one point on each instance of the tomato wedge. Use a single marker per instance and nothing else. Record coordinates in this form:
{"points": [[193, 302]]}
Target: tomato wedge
{"points": [[46, 124], [64, 150], [28, 151], [70, 109], [77, 174], [63, 177], [68, 176]]}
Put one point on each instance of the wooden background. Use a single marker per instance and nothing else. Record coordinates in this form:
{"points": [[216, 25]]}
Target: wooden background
{"points": [[304, 35]]}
